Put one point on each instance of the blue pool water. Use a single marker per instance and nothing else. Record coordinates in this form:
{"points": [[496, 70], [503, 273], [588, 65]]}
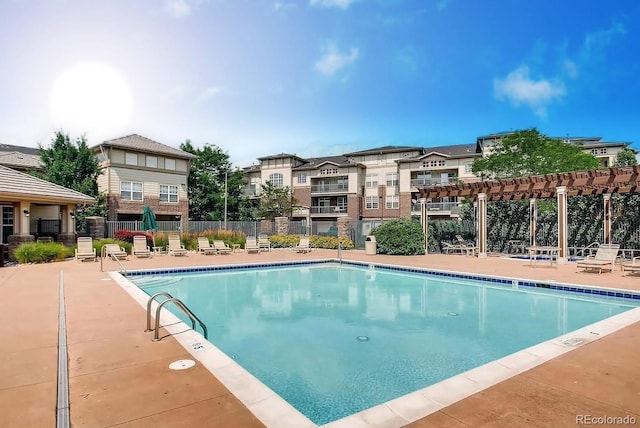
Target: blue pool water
{"points": [[334, 340]]}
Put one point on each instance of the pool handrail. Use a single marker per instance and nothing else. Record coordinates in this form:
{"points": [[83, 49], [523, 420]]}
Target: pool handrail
{"points": [[104, 252], [180, 305]]}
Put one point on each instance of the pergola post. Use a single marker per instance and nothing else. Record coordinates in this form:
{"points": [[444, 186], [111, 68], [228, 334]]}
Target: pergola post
{"points": [[563, 240], [533, 221], [424, 220], [482, 225], [607, 218]]}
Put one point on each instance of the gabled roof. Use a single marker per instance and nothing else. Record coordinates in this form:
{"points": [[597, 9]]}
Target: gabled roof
{"points": [[143, 144], [16, 186], [383, 149], [20, 160], [314, 163], [280, 156], [19, 149], [453, 151]]}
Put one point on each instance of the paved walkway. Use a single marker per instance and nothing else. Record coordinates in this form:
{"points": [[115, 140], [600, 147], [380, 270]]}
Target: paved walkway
{"points": [[119, 377]]}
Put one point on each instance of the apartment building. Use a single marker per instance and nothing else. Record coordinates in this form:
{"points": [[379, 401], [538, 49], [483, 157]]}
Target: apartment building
{"points": [[137, 171], [383, 182]]}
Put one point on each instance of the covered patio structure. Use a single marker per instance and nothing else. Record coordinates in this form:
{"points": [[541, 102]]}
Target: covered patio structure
{"points": [[560, 186]]}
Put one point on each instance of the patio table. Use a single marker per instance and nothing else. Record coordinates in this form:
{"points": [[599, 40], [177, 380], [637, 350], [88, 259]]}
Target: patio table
{"points": [[552, 252]]}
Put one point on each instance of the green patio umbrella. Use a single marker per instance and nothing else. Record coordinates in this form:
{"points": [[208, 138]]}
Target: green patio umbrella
{"points": [[149, 222]]}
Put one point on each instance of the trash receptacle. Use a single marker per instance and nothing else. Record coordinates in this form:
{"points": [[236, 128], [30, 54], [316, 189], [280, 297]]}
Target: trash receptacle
{"points": [[370, 246]]}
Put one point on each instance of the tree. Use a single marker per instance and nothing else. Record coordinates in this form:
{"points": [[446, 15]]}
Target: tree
{"points": [[527, 152], [71, 164], [275, 201], [206, 183], [626, 158]]}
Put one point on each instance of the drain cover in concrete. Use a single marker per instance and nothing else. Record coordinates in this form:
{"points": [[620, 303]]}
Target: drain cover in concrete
{"points": [[574, 341], [182, 364]]}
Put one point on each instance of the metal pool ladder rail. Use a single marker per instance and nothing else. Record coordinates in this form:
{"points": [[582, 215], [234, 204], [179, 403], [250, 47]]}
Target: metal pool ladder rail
{"points": [[180, 305]]}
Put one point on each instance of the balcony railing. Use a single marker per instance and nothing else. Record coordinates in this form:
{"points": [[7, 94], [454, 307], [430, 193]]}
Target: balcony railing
{"points": [[438, 206], [250, 191], [419, 182], [329, 187], [335, 210]]}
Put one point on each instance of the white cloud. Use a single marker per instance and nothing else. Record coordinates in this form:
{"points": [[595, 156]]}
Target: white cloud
{"points": [[333, 61], [596, 43], [178, 8], [571, 68], [282, 6], [211, 91], [520, 89], [340, 4]]}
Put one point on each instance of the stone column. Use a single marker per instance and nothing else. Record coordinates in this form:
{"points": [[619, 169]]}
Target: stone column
{"points": [[344, 225], [97, 227], [482, 225], [563, 240], [282, 225]]}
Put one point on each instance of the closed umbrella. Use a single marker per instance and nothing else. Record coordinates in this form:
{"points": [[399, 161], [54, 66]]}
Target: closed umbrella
{"points": [[149, 221]]}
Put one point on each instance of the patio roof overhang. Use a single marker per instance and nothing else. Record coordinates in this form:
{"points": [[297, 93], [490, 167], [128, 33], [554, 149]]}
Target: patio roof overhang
{"points": [[579, 183]]}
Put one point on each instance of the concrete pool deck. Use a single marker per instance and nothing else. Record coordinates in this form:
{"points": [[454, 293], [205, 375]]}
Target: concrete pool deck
{"points": [[119, 377]]}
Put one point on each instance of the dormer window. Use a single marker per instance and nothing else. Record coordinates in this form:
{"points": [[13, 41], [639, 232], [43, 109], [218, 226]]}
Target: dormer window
{"points": [[328, 171]]}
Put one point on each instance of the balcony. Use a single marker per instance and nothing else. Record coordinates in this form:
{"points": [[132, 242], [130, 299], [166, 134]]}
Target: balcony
{"points": [[421, 182], [443, 207], [250, 191], [332, 210], [330, 188]]}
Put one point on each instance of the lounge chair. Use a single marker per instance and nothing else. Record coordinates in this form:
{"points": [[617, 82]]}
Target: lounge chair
{"points": [[175, 247], [251, 245], [449, 248], [84, 249], [632, 266], [221, 247], [263, 242], [605, 255], [470, 249], [303, 246], [140, 247], [204, 246], [115, 251]]}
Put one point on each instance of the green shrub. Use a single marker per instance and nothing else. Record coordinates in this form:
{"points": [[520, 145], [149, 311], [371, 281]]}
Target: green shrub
{"points": [[330, 242], [42, 252], [284, 241], [402, 236]]}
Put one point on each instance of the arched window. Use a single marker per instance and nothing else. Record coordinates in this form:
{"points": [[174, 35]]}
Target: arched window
{"points": [[276, 179]]}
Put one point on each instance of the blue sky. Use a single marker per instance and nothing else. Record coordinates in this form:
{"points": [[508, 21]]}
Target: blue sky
{"points": [[317, 77]]}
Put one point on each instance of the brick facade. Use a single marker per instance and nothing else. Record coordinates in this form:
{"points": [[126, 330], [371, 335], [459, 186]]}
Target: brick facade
{"points": [[302, 195], [116, 206]]}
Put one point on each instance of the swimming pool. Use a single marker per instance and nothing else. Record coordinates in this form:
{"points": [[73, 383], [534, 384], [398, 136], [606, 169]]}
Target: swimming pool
{"points": [[334, 340]]}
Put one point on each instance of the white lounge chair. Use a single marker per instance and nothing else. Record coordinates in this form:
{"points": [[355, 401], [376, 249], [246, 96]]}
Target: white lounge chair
{"points": [[251, 246], [263, 242], [140, 247], [221, 247], [449, 248], [605, 255], [175, 247], [465, 247], [632, 266], [84, 249], [303, 246], [204, 246], [115, 251]]}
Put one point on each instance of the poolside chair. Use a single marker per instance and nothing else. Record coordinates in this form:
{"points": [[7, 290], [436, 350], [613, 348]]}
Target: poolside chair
{"points": [[204, 247], [632, 266], [221, 247], [448, 248], [469, 249], [140, 247], [605, 255], [175, 247], [303, 246], [252, 245], [263, 242], [85, 250], [115, 251]]}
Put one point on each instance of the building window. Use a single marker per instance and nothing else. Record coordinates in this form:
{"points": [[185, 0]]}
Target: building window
{"points": [[371, 180], [594, 151], [276, 179], [328, 171], [468, 167], [302, 178], [603, 151], [371, 203], [152, 162], [131, 158], [392, 179], [170, 164], [168, 193], [130, 191], [393, 202]]}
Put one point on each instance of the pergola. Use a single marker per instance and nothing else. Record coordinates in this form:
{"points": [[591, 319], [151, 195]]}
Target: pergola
{"points": [[560, 186]]}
